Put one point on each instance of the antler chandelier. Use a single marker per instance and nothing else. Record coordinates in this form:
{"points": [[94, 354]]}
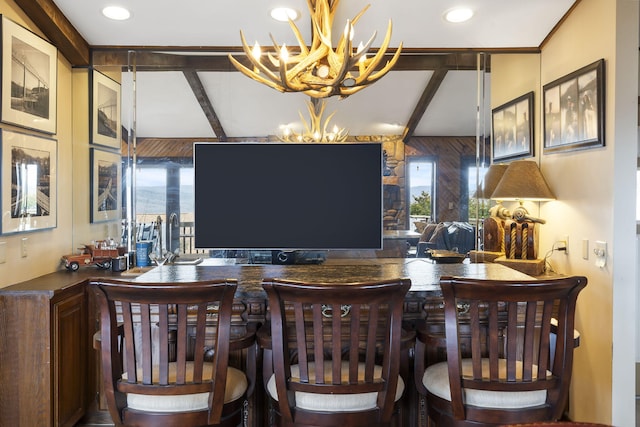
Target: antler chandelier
{"points": [[316, 131], [320, 71]]}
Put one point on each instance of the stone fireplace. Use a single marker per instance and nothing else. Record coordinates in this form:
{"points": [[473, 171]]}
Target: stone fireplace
{"points": [[393, 179]]}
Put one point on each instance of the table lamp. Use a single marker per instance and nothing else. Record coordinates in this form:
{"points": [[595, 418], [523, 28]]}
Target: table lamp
{"points": [[492, 231], [491, 180], [522, 181]]}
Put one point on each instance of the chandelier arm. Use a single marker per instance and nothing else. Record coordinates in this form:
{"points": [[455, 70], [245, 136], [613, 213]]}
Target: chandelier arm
{"points": [[347, 91], [372, 77], [352, 23], [322, 39], [315, 126], [304, 123], [337, 58], [357, 17], [296, 31], [319, 93], [306, 63], [316, 112], [326, 123], [355, 59], [274, 58], [255, 76], [326, 19], [258, 64], [274, 61], [377, 58], [344, 68], [316, 108]]}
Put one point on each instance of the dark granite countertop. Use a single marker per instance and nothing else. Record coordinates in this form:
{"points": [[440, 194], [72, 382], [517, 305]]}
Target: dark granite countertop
{"points": [[424, 274]]}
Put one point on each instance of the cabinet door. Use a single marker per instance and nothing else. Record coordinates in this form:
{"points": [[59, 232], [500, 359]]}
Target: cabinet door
{"points": [[69, 353]]}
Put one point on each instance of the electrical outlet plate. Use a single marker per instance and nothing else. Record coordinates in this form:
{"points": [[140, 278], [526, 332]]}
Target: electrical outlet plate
{"points": [[23, 247], [566, 244], [3, 252]]}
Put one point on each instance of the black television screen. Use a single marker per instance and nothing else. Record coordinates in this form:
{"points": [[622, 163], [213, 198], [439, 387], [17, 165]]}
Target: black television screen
{"points": [[287, 196]]}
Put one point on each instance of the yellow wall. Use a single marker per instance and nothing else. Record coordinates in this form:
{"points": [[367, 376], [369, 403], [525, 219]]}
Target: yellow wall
{"points": [[595, 191], [44, 248]]}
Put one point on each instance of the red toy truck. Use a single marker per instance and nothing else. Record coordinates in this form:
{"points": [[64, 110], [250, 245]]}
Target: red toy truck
{"points": [[99, 254]]}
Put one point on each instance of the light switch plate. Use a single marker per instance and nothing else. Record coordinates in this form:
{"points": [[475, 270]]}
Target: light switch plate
{"points": [[3, 252]]}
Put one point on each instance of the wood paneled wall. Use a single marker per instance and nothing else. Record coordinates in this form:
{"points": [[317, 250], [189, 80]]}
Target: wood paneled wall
{"points": [[450, 154]]}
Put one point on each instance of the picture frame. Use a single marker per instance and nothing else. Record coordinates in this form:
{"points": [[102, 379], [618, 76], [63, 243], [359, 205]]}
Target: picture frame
{"points": [[106, 183], [512, 129], [28, 189], [105, 110], [574, 110], [29, 79]]}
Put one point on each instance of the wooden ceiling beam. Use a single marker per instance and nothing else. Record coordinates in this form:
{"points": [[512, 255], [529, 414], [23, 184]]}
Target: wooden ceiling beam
{"points": [[57, 28], [427, 96], [146, 60], [205, 103]]}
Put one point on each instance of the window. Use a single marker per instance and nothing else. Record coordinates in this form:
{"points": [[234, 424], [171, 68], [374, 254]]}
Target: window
{"points": [[151, 193], [421, 186], [478, 208]]}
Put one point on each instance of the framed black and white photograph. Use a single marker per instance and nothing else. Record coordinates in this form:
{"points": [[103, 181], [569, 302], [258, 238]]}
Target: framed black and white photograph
{"points": [[574, 110], [29, 182], [106, 180], [105, 110], [29, 73], [512, 129]]}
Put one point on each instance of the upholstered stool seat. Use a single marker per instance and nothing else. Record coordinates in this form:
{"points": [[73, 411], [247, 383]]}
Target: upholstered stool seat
{"points": [[155, 342], [334, 402], [236, 386], [509, 351], [335, 351], [436, 381]]}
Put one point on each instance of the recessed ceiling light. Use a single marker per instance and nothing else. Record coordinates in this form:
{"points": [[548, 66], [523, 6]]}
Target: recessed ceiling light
{"points": [[284, 14], [117, 13], [458, 14]]}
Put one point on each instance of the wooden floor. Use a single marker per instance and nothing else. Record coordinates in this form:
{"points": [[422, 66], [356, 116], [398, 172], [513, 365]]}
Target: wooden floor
{"points": [[95, 418]]}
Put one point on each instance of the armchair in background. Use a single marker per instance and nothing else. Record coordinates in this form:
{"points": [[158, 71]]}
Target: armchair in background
{"points": [[452, 236]]}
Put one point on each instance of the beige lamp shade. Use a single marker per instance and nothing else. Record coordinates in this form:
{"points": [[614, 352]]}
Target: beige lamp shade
{"points": [[522, 180], [491, 180]]}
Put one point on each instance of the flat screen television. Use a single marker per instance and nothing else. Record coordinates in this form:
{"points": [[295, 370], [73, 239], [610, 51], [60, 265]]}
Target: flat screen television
{"points": [[288, 196]]}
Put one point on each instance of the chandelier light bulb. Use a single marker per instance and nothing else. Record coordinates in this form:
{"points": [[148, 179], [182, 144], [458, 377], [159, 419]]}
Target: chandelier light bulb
{"points": [[284, 54], [256, 51]]}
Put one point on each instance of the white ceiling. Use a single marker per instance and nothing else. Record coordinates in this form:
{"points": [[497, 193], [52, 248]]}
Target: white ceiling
{"points": [[166, 106]]}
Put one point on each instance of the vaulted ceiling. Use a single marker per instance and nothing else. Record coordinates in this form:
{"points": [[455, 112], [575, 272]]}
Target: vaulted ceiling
{"points": [[185, 86]]}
